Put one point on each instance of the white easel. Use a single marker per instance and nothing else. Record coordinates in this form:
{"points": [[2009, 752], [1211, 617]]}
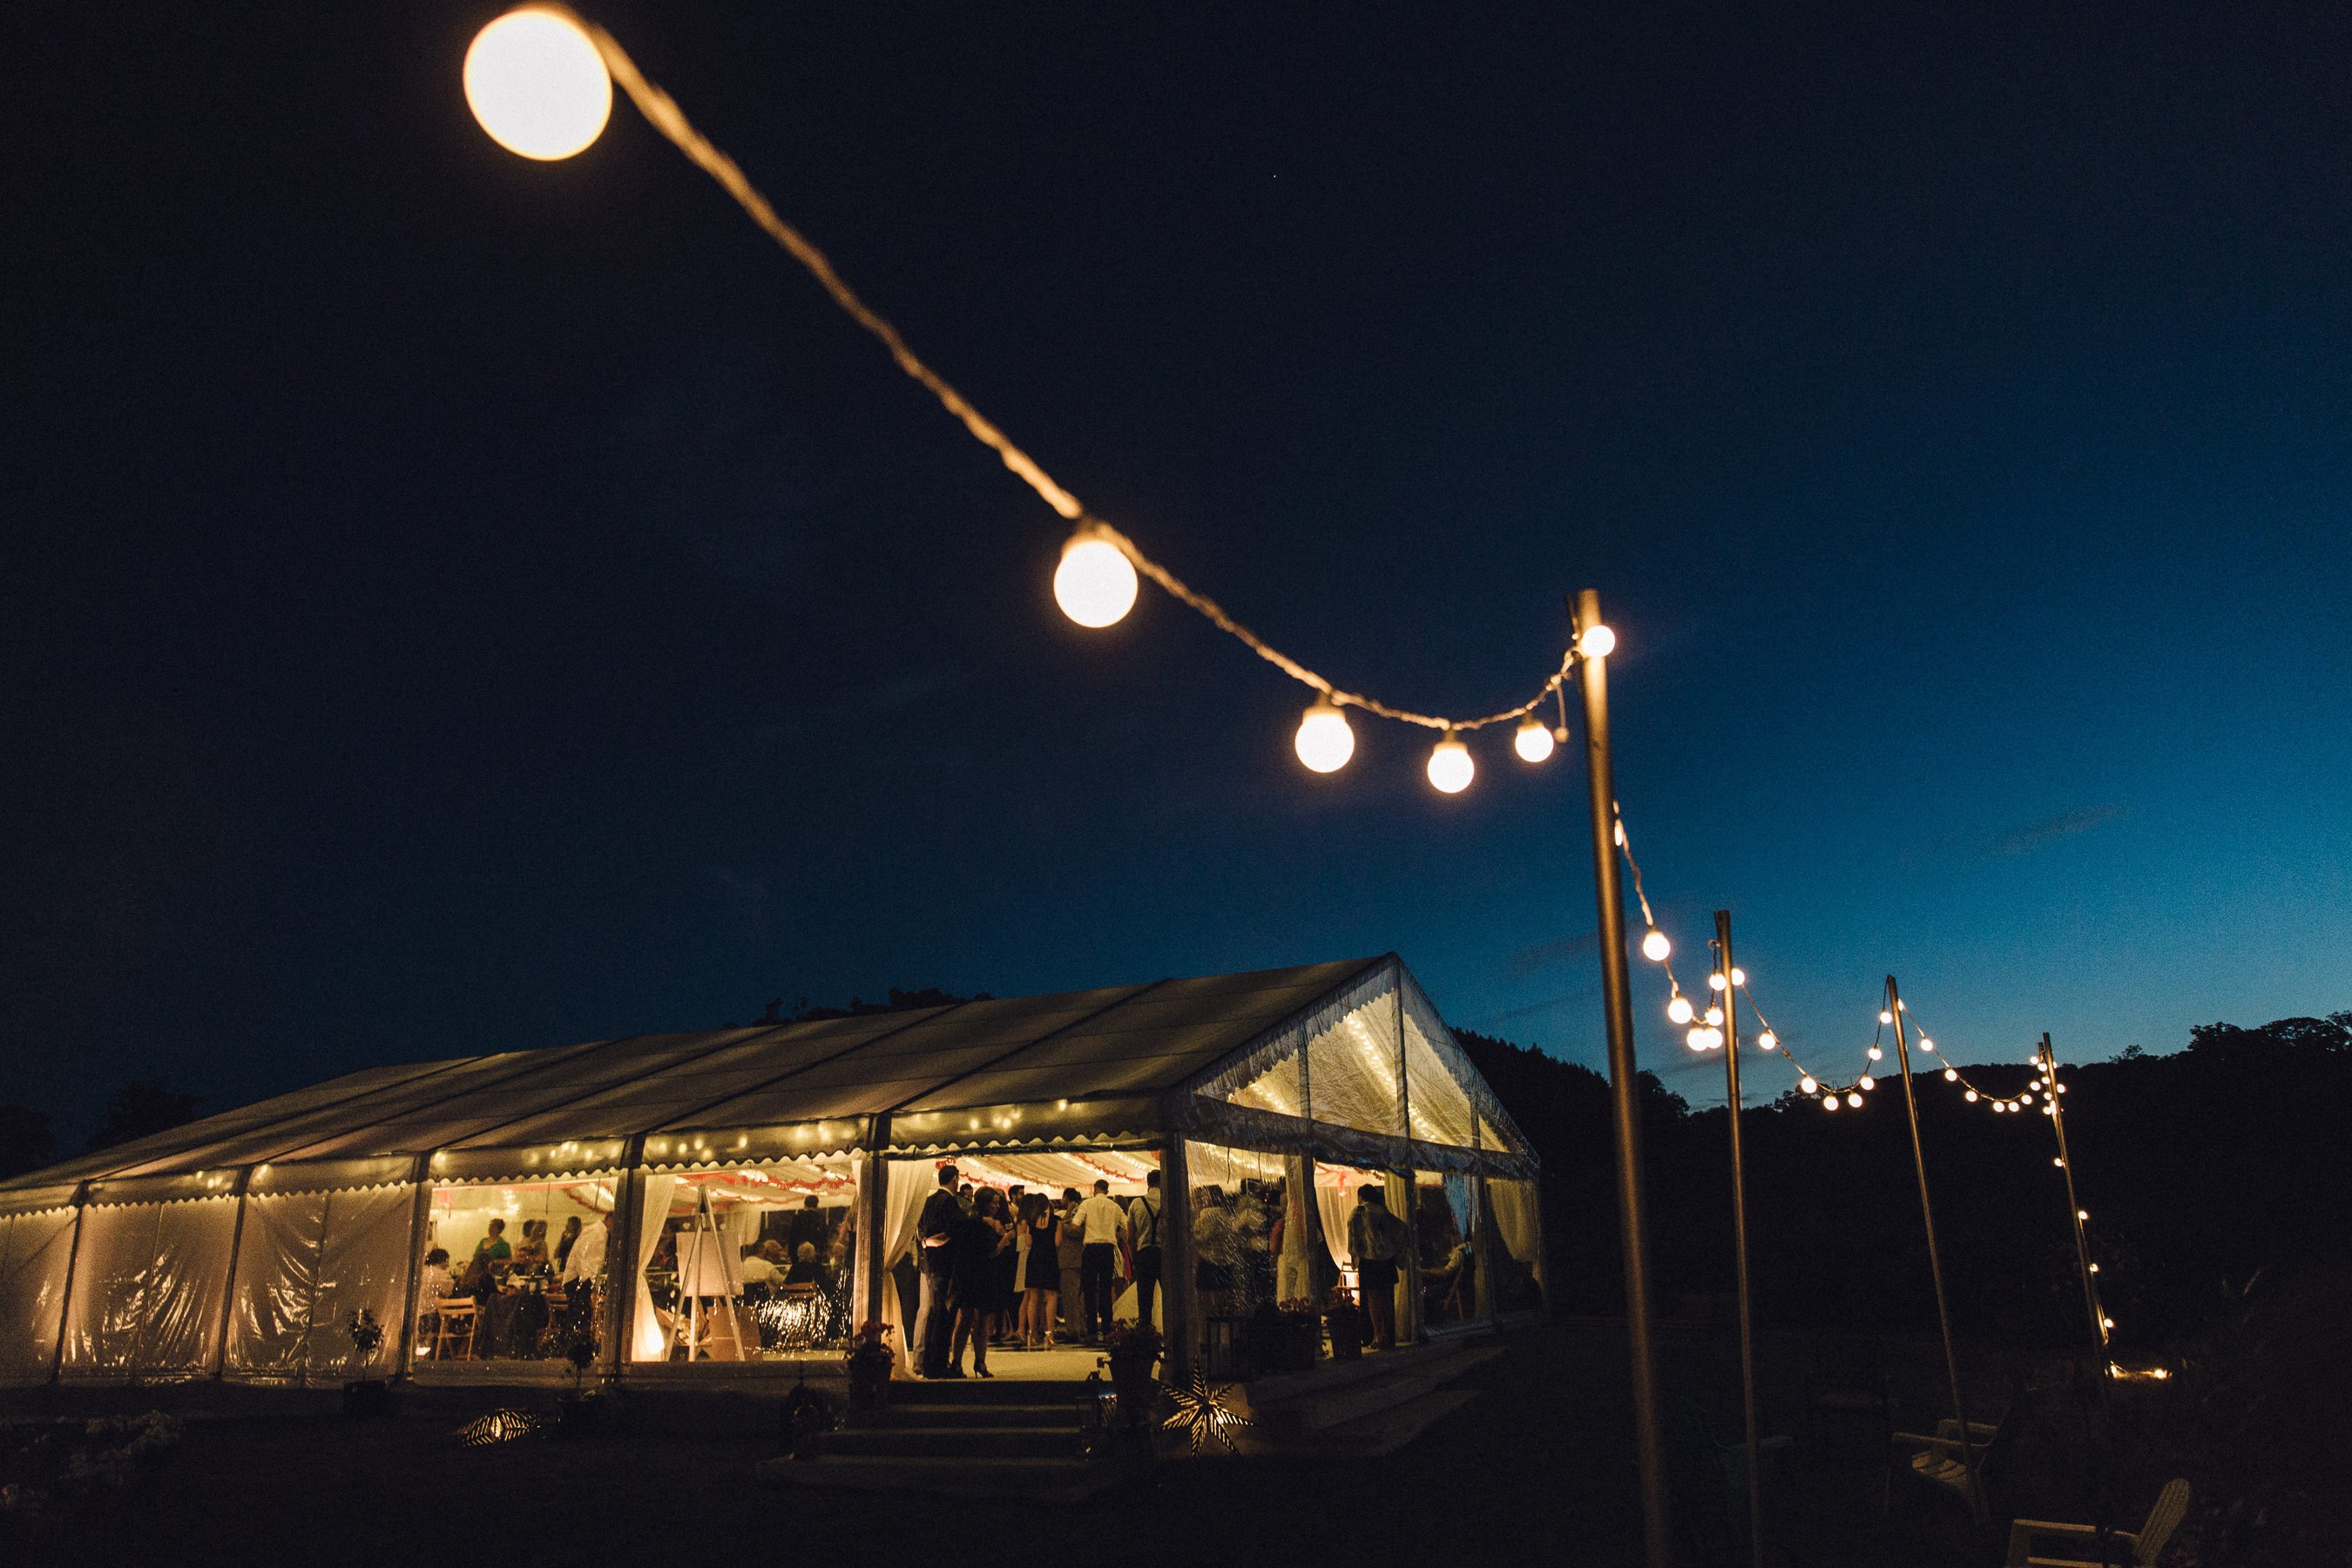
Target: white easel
{"points": [[706, 1272]]}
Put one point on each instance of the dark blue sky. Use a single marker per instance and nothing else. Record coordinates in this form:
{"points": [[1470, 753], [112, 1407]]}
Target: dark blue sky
{"points": [[457, 604]]}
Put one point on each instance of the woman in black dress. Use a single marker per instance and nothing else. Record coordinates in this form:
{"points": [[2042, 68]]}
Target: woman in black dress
{"points": [[978, 1282], [1042, 1280]]}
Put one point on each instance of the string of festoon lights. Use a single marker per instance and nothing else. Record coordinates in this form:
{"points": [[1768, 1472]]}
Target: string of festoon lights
{"points": [[1703, 1031], [540, 79]]}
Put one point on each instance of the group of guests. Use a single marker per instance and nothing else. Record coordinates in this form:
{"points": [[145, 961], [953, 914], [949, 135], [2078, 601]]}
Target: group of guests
{"points": [[531, 1266], [1020, 1269]]}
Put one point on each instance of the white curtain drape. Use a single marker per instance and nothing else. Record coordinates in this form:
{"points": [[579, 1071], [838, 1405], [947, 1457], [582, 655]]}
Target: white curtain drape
{"points": [[1294, 1278], [1515, 1221], [648, 1339], [903, 1195], [1332, 1206]]}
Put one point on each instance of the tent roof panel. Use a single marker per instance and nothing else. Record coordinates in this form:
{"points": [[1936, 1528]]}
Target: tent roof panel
{"points": [[1126, 1040]]}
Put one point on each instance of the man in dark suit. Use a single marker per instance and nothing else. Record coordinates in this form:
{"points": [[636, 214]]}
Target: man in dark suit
{"points": [[935, 1319]]}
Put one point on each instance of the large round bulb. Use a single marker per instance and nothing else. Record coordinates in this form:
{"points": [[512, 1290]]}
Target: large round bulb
{"points": [[1094, 585], [1325, 742], [537, 84], [1449, 766], [1808, 1083], [1853, 1099], [1680, 1010], [1829, 1102], [1656, 947], [1738, 975], [1950, 1076], [1715, 981], [1972, 1097], [1533, 741], [1767, 1041], [1867, 1081], [1597, 642], [1885, 1016], [1696, 1039], [1715, 1014]]}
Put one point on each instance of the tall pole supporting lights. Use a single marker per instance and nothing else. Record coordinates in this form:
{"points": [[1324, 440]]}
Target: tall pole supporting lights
{"points": [[1730, 990], [1593, 641], [1893, 1013], [2075, 1213]]}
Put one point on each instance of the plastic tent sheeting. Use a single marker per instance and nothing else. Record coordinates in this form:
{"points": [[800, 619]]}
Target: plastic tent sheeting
{"points": [[35, 1250], [149, 1281], [306, 1262], [1517, 1228]]}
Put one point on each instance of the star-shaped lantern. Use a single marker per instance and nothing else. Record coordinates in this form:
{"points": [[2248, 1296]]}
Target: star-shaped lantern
{"points": [[1201, 1411]]}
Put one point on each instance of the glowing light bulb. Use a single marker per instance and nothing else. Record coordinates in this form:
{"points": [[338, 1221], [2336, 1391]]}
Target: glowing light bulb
{"points": [[2094, 1269], [1656, 947], [1807, 1084], [1829, 1102], [1324, 741], [1450, 767], [1696, 1039], [1767, 1041], [1867, 1081], [536, 83], [1927, 1045], [1899, 1006], [2106, 1323], [1714, 1039], [1876, 1055], [1532, 742], [1096, 584], [2057, 1162], [2027, 1097], [1620, 831], [1854, 1100], [1885, 1016], [1597, 642], [1715, 981], [1738, 975], [1680, 1010], [2061, 1089], [2082, 1214], [1950, 1076], [1715, 1014], [1972, 1097]]}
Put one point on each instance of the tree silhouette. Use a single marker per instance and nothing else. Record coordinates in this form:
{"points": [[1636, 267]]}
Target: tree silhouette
{"points": [[139, 1109]]}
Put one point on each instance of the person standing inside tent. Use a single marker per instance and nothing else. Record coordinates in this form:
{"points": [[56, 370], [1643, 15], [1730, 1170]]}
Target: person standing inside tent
{"points": [[1101, 1224], [1069, 1252], [1143, 1223], [1378, 1240], [935, 1229]]}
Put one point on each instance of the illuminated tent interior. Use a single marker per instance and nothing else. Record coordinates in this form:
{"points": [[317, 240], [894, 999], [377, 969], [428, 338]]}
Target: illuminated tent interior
{"points": [[246, 1245]]}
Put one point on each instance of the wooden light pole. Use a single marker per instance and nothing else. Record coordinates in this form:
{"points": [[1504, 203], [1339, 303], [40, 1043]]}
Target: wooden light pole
{"points": [[1740, 1241], [1935, 1257], [1617, 1014]]}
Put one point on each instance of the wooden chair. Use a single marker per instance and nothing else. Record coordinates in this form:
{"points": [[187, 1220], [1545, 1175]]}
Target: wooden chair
{"points": [[1943, 1460], [451, 1315], [2143, 1546]]}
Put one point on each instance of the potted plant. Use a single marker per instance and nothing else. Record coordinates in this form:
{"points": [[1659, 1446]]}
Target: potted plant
{"points": [[1346, 1323], [1297, 1333], [366, 1395], [1132, 1348], [869, 1361]]}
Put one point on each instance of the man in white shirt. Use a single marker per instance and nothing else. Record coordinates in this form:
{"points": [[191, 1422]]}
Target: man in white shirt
{"points": [[586, 1261], [1100, 1223], [757, 1269]]}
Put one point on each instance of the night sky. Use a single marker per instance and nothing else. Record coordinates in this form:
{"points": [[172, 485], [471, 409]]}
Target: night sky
{"points": [[457, 604]]}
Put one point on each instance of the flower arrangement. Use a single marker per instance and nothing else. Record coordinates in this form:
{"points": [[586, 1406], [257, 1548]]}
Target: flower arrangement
{"points": [[1128, 1338]]}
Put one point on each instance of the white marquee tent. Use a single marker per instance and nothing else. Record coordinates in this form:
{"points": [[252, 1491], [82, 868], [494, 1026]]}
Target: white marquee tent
{"points": [[239, 1247]]}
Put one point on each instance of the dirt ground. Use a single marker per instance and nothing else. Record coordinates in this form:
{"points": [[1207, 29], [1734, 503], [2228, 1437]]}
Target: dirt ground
{"points": [[1537, 1469]]}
